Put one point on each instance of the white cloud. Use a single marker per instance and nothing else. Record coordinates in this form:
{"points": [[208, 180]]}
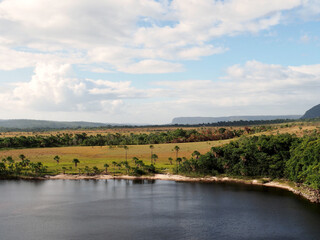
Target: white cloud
{"points": [[134, 36], [52, 88], [249, 89], [253, 88], [151, 66]]}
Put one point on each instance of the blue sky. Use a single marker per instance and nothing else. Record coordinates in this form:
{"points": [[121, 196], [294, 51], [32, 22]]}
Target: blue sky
{"points": [[146, 61]]}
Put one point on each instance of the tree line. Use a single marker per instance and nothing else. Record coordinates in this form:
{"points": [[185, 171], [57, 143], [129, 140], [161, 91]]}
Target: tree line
{"points": [[173, 136], [275, 156], [10, 168]]}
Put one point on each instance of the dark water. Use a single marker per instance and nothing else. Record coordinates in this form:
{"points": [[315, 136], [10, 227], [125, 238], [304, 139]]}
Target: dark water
{"points": [[120, 209]]}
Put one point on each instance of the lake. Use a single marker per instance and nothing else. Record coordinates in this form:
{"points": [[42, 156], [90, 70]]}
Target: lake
{"points": [[125, 209]]}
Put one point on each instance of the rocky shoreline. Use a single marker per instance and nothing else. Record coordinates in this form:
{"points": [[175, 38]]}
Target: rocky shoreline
{"points": [[308, 193]]}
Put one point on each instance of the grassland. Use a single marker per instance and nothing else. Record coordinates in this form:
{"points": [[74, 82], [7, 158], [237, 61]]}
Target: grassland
{"points": [[98, 156], [298, 128]]}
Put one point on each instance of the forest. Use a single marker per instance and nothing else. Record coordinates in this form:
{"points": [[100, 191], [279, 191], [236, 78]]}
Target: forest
{"points": [[171, 136], [282, 156]]}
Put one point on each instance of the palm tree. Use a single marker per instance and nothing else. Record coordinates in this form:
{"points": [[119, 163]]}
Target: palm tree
{"points": [[25, 162], [114, 163], [176, 148], [75, 161], [22, 157], [196, 153], [96, 170], [57, 159], [126, 165], [135, 160], [10, 160], [178, 160], [151, 148], [154, 157], [106, 165], [126, 148], [170, 160]]}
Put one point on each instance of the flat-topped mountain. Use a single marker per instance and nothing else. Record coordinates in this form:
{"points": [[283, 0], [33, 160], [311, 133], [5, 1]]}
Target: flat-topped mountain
{"points": [[201, 120], [313, 112]]}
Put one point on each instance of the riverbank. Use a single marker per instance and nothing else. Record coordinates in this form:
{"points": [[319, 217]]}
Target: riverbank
{"points": [[308, 193]]}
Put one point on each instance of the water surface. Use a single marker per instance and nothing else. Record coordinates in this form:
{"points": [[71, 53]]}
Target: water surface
{"points": [[123, 209]]}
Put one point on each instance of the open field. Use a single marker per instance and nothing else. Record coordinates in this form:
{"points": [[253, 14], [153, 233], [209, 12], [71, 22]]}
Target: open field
{"points": [[298, 128], [89, 132], [98, 156]]}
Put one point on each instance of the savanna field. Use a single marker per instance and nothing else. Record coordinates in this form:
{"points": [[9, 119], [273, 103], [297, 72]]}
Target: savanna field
{"points": [[98, 156]]}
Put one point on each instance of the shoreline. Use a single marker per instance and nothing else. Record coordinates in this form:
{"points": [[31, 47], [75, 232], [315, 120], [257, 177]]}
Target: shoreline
{"points": [[305, 192]]}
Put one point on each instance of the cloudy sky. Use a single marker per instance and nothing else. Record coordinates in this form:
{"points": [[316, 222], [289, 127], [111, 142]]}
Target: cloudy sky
{"points": [[147, 61]]}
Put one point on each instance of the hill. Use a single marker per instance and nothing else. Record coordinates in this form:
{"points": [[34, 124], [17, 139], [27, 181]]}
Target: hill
{"points": [[201, 120], [42, 124], [314, 112]]}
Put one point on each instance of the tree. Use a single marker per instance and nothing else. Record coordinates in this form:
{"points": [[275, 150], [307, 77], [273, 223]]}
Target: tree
{"points": [[106, 165], [22, 157], [196, 154], [57, 159], [170, 160], [151, 149], [10, 160], [126, 148], [2, 168], [25, 162], [119, 165], [75, 161], [176, 148], [154, 157], [135, 160], [114, 163], [178, 160], [64, 170], [87, 170], [127, 167], [96, 170]]}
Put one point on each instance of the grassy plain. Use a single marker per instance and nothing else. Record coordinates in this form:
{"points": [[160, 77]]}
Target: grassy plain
{"points": [[98, 156]]}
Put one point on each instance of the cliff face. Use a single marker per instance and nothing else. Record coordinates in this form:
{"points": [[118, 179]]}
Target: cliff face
{"points": [[312, 113]]}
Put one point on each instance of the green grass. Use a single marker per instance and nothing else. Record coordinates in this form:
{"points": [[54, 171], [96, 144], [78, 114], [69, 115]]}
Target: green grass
{"points": [[98, 156]]}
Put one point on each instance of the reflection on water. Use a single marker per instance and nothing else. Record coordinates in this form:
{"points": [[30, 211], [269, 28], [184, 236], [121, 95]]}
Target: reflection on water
{"points": [[149, 209], [142, 181]]}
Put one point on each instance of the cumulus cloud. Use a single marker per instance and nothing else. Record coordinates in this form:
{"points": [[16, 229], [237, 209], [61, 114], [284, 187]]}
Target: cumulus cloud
{"points": [[133, 36], [52, 88], [251, 88]]}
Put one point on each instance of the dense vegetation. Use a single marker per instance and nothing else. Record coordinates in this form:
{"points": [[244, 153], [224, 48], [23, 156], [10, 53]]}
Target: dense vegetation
{"points": [[10, 168], [175, 136], [279, 156]]}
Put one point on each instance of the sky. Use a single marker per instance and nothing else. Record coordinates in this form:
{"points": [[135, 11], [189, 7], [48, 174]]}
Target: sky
{"points": [[148, 61]]}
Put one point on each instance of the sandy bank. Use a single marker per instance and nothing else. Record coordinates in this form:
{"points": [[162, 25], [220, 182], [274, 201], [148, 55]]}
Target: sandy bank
{"points": [[307, 193]]}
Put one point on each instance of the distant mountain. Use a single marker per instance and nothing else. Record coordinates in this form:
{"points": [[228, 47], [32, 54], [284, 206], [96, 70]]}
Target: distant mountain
{"points": [[312, 113], [42, 124], [201, 120]]}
